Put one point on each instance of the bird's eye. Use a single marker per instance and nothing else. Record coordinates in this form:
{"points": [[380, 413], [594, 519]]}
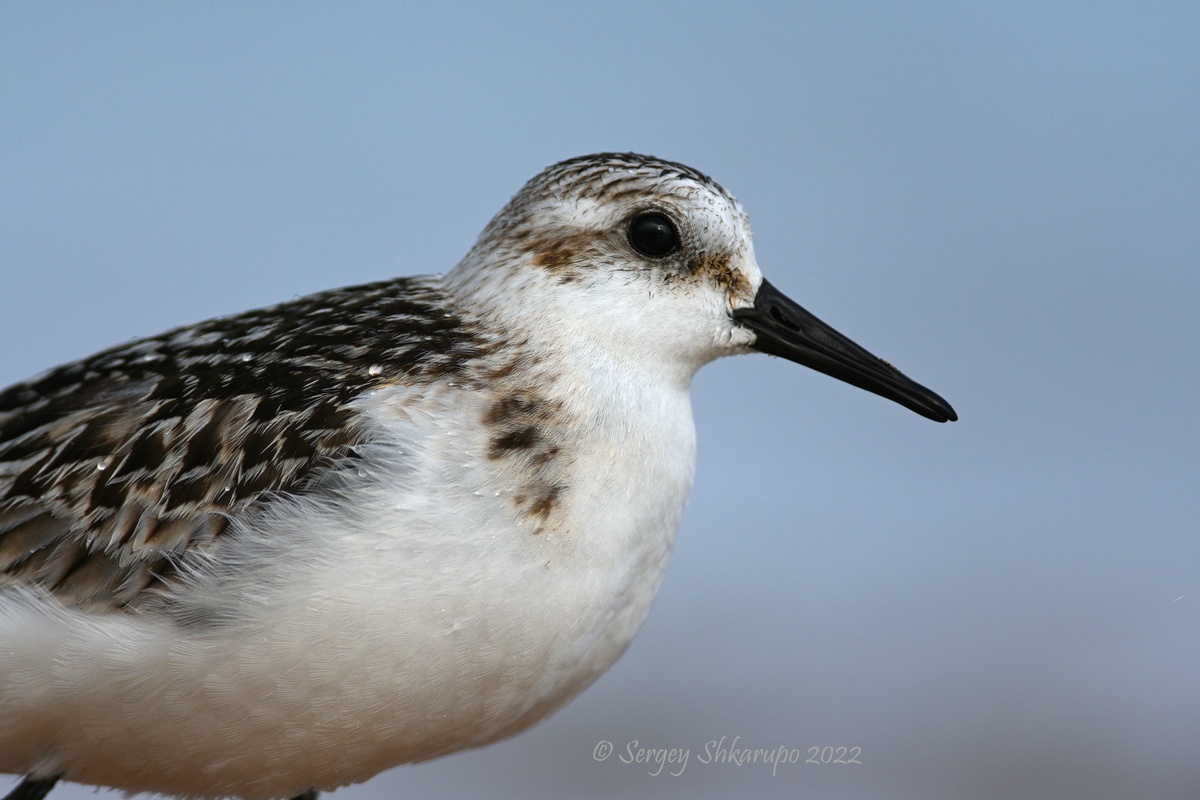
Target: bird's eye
{"points": [[653, 234]]}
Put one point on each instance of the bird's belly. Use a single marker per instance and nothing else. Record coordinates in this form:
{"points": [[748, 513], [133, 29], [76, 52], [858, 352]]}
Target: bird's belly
{"points": [[414, 611], [344, 654]]}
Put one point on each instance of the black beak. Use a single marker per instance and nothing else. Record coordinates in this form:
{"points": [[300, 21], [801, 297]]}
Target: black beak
{"points": [[786, 330]]}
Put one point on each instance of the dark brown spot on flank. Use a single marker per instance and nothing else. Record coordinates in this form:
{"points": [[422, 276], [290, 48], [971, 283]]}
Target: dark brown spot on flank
{"points": [[543, 504], [509, 408], [521, 426], [520, 439]]}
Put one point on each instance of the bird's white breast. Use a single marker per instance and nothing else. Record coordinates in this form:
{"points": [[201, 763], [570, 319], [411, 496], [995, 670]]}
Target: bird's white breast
{"points": [[414, 610]]}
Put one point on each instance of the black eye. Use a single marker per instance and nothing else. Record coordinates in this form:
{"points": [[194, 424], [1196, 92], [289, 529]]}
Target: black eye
{"points": [[652, 234]]}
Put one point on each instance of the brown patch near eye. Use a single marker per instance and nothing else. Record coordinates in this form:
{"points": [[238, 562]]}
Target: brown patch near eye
{"points": [[718, 268], [560, 254]]}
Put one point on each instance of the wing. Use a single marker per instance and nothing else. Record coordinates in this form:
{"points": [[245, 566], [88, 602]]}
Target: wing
{"points": [[114, 468]]}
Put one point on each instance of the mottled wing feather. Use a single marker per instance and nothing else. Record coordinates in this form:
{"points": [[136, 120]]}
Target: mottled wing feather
{"points": [[114, 467]]}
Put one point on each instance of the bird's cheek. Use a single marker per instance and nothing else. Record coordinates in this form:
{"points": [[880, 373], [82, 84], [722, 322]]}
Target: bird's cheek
{"points": [[739, 338]]}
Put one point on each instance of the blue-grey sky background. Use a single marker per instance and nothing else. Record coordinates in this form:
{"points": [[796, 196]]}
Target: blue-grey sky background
{"points": [[1002, 199]]}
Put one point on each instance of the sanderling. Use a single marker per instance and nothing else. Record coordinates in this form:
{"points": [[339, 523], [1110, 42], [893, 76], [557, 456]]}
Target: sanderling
{"points": [[279, 552]]}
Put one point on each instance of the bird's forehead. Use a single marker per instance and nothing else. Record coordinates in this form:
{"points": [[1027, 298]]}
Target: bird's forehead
{"points": [[608, 175], [598, 189]]}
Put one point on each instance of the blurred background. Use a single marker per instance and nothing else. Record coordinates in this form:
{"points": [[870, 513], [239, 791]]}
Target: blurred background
{"points": [[1003, 199]]}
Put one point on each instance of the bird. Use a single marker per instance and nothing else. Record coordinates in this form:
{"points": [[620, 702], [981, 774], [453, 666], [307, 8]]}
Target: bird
{"points": [[278, 552]]}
